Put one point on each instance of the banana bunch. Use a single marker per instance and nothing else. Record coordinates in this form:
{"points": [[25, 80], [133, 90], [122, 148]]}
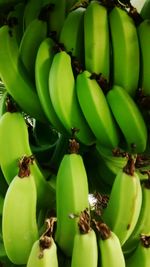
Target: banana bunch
{"points": [[74, 133]]}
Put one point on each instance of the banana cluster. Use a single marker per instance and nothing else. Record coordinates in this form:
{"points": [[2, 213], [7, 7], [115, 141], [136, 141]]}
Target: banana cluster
{"points": [[74, 133]]}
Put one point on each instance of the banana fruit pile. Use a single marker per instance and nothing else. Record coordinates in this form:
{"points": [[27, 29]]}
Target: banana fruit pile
{"points": [[74, 133]]}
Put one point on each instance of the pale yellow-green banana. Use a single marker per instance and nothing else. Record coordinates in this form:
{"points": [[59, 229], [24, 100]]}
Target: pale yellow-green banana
{"points": [[140, 257], [71, 197], [19, 226], [64, 99]]}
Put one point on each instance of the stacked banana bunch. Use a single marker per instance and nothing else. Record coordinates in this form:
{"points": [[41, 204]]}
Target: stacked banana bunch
{"points": [[74, 134]]}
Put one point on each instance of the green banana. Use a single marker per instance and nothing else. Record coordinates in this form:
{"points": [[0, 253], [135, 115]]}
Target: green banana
{"points": [[43, 63], [71, 197], [111, 253], [144, 43], [140, 257], [19, 226], [143, 223], [124, 205], [34, 34], [129, 119], [96, 39], [85, 251], [13, 127], [96, 110], [16, 16], [64, 99], [71, 35], [44, 250], [125, 49], [17, 83]]}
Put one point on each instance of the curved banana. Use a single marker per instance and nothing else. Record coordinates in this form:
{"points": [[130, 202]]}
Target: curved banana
{"points": [[125, 49], [85, 251], [140, 257], [71, 35], [19, 226], [96, 110], [129, 119], [111, 253], [43, 63], [144, 43], [13, 127], [44, 251], [34, 34], [71, 197], [17, 83], [124, 205], [143, 223], [63, 96], [96, 39]]}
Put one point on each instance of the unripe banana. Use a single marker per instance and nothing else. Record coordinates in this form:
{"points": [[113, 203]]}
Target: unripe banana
{"points": [[71, 35], [96, 110], [125, 49], [43, 252], [13, 127], [71, 197], [129, 118], [85, 251], [124, 205], [63, 96], [43, 63], [143, 223], [17, 83], [34, 34], [144, 43], [111, 253], [96, 39], [19, 226], [140, 257]]}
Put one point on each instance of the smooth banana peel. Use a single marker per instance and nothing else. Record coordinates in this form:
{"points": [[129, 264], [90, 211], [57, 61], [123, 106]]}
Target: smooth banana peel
{"points": [[96, 110], [72, 183], [72, 32], [43, 63], [19, 226], [125, 49], [144, 43], [140, 257], [85, 250], [64, 99], [34, 34], [17, 83], [109, 246], [96, 39], [129, 118]]}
